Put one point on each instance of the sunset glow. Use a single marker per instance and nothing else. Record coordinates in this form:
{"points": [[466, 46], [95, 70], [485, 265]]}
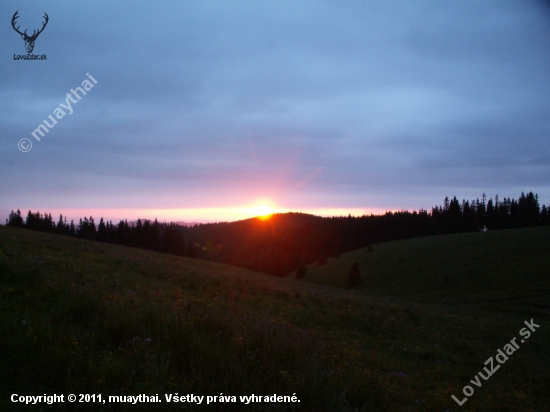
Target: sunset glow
{"points": [[320, 113], [263, 212], [199, 215], [240, 200]]}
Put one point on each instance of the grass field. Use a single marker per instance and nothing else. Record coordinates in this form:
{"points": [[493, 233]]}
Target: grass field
{"points": [[496, 266], [85, 317]]}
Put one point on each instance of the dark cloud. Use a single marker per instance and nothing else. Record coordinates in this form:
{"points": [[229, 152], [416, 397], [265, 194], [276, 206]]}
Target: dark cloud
{"points": [[314, 103]]}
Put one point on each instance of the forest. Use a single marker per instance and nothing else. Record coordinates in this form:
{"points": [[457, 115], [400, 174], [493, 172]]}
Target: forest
{"points": [[284, 242]]}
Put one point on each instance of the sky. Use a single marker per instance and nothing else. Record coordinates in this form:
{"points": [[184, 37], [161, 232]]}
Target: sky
{"points": [[217, 110]]}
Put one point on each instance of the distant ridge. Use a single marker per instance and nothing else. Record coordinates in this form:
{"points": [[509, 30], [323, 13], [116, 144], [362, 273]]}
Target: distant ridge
{"points": [[182, 223], [179, 223]]}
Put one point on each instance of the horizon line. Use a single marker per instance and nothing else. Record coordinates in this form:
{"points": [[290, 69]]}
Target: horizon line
{"points": [[190, 215]]}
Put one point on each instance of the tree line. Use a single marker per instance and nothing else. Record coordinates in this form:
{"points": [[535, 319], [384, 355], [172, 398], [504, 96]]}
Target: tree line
{"points": [[288, 241], [284, 242], [144, 234]]}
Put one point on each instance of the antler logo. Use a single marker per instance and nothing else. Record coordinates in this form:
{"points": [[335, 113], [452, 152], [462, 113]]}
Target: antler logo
{"points": [[29, 40]]}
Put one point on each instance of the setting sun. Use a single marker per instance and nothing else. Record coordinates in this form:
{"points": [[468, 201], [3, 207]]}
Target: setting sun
{"points": [[263, 211]]}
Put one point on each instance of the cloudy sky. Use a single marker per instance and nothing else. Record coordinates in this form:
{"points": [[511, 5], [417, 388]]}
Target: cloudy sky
{"points": [[204, 110]]}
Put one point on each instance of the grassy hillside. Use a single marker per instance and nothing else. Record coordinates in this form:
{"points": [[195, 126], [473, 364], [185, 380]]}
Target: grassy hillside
{"points": [[85, 317], [506, 266]]}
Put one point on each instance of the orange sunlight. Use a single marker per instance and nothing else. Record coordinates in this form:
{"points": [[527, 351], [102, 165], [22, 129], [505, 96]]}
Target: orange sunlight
{"points": [[261, 209], [263, 212]]}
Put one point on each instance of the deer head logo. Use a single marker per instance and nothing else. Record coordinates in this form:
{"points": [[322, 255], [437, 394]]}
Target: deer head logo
{"points": [[29, 40]]}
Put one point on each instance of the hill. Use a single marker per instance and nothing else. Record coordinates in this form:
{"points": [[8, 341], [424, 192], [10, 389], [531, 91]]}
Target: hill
{"points": [[280, 243], [496, 266], [78, 316], [275, 245]]}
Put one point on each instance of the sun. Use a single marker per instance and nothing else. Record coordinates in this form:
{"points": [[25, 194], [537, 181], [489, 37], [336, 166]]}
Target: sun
{"points": [[263, 211]]}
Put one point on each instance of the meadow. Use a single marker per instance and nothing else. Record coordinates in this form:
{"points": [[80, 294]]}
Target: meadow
{"points": [[79, 316]]}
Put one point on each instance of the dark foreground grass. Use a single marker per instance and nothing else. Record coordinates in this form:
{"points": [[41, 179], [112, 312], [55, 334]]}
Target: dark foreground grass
{"points": [[494, 266], [84, 317]]}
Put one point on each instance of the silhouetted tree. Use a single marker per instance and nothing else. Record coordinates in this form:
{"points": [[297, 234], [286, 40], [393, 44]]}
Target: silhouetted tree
{"points": [[528, 209], [15, 219], [544, 216], [101, 231]]}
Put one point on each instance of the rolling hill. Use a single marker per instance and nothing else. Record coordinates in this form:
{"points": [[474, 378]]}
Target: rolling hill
{"points": [[78, 316], [496, 266]]}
